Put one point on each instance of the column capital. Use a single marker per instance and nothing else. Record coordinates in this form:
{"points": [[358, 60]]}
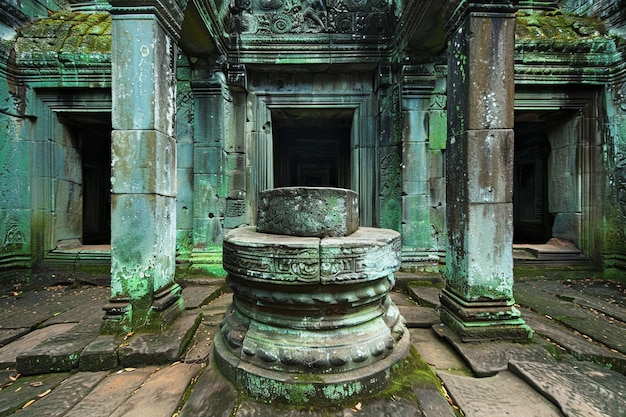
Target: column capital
{"points": [[455, 11], [169, 12]]}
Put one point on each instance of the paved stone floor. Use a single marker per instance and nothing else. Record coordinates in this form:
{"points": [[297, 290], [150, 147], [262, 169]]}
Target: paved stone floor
{"points": [[50, 350]]}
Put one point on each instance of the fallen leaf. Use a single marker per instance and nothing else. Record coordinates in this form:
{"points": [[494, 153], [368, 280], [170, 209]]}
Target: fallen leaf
{"points": [[28, 404], [43, 394]]}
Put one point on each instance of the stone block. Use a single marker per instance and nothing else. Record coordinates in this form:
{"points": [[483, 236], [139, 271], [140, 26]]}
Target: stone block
{"points": [[416, 126], [490, 165], [143, 162], [490, 72], [268, 257], [365, 255], [437, 130], [568, 226], [437, 164], [142, 249], [416, 227], [143, 78], [488, 252], [563, 180], [235, 214], [308, 211], [416, 159], [415, 187], [208, 159], [185, 155]]}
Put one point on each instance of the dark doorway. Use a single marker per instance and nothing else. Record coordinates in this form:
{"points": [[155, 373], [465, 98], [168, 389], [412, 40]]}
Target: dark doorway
{"points": [[312, 148], [532, 221], [92, 135]]}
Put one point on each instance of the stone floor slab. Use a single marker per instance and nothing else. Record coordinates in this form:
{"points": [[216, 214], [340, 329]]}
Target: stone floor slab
{"points": [[376, 408], [14, 395], [433, 404], [160, 395], [489, 358], [424, 295], [500, 395], [586, 321], [576, 394], [62, 398], [111, 393], [437, 352], [419, 317], [9, 335], [197, 295], [214, 311], [212, 396], [201, 346], [574, 344], [609, 304], [8, 354]]}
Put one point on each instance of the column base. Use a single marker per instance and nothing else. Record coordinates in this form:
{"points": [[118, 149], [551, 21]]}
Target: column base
{"points": [[122, 316], [308, 388], [477, 321]]}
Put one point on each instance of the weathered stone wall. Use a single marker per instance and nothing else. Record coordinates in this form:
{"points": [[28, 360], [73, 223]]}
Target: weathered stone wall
{"points": [[610, 11], [614, 238]]}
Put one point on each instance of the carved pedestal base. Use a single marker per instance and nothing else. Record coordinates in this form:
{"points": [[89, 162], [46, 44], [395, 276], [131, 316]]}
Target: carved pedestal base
{"points": [[312, 320], [482, 320]]}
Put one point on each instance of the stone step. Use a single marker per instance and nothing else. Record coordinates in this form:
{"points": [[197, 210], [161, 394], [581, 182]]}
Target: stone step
{"points": [[9, 353], [161, 347], [589, 392], [58, 353]]}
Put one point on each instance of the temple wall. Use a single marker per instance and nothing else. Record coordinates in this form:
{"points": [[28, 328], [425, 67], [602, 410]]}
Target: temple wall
{"points": [[614, 222], [224, 133]]}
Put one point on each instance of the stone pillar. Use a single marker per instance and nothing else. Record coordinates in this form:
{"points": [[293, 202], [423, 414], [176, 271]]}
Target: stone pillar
{"points": [[477, 302], [143, 209]]}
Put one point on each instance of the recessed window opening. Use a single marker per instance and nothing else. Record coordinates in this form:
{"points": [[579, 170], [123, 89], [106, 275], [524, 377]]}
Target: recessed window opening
{"points": [[312, 147]]}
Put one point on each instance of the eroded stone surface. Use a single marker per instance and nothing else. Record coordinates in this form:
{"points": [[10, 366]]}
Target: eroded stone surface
{"points": [[311, 298], [308, 211]]}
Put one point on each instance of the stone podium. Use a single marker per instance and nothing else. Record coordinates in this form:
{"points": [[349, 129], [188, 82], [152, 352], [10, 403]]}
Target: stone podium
{"points": [[311, 319]]}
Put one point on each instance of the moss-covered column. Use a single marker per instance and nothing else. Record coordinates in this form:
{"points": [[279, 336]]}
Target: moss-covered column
{"points": [[477, 302], [144, 295]]}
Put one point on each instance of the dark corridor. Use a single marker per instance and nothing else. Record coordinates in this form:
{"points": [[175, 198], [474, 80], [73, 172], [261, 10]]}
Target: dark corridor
{"points": [[532, 221], [312, 151]]}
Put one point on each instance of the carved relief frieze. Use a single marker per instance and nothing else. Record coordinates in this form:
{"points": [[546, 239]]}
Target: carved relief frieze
{"points": [[272, 17]]}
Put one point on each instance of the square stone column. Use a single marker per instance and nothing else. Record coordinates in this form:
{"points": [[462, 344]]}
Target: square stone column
{"points": [[144, 295], [477, 302]]}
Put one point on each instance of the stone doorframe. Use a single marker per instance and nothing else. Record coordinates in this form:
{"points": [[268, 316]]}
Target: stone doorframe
{"points": [[49, 104], [589, 168], [363, 146]]}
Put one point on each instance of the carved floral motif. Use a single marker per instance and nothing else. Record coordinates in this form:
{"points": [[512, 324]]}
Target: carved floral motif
{"points": [[314, 16]]}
